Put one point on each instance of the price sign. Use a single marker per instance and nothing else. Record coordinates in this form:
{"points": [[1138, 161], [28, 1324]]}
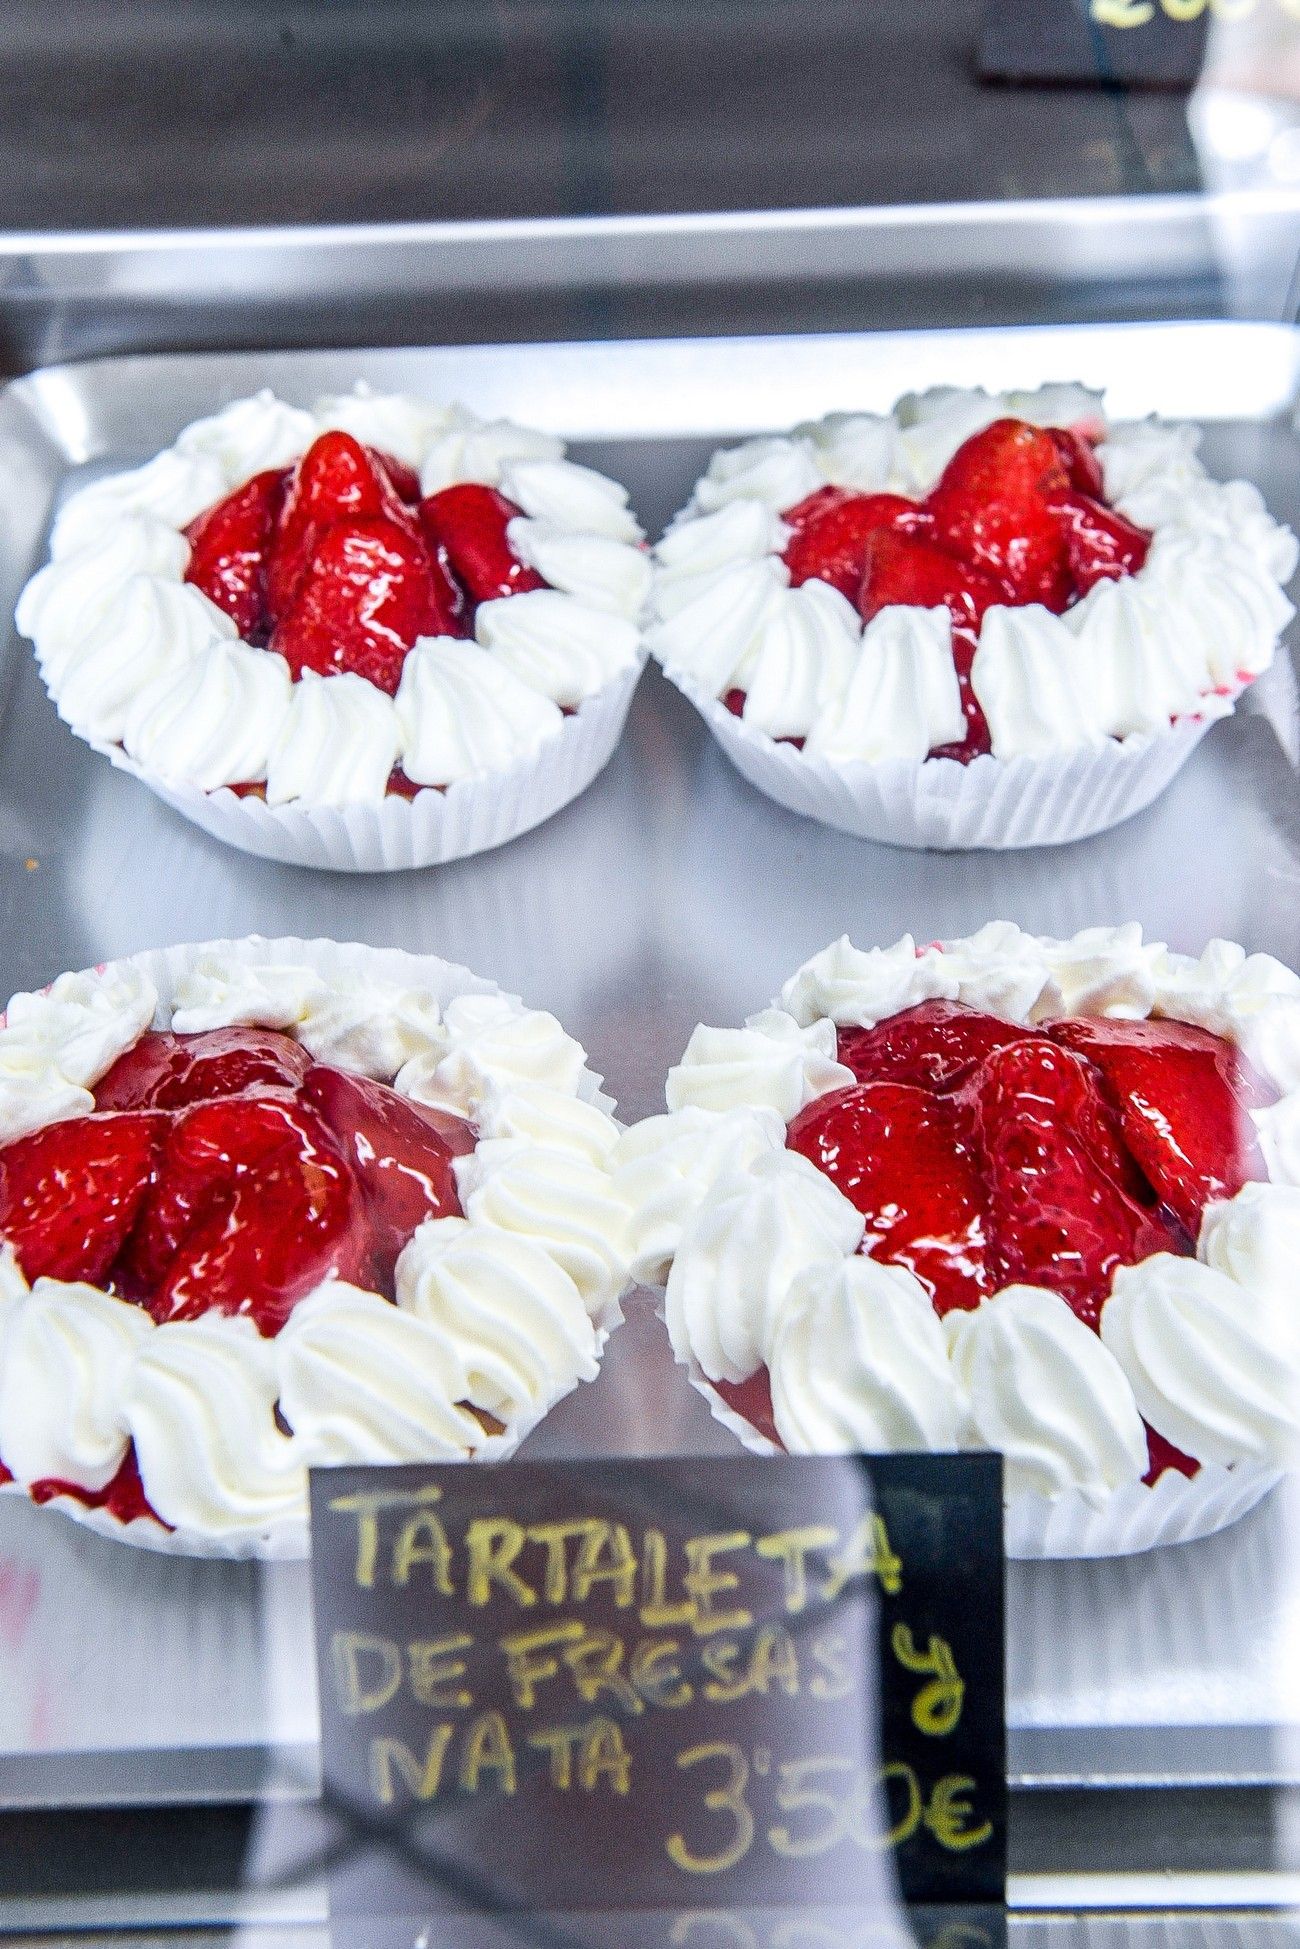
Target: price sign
{"points": [[1133, 43], [662, 1684]]}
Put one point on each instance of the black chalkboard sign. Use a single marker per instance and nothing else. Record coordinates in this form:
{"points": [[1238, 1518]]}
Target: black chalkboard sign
{"points": [[1129, 43], [662, 1685]]}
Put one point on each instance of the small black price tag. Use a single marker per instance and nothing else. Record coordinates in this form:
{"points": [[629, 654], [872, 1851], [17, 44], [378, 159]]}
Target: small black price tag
{"points": [[662, 1685], [1131, 43]]}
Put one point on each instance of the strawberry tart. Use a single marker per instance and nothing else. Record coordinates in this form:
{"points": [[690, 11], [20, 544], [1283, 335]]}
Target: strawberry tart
{"points": [[981, 620], [375, 632], [266, 1205], [1025, 1194]]}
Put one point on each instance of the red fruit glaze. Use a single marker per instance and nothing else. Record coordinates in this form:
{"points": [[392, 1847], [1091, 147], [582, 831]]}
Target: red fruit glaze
{"points": [[70, 1194], [404, 479], [336, 480], [1162, 1455], [909, 569], [900, 1156], [361, 602], [752, 1401], [254, 1206], [1183, 1098], [1101, 545], [336, 565], [402, 786], [123, 1498], [1077, 456], [1062, 1198], [934, 1046], [229, 550], [990, 509], [831, 528], [400, 1152], [469, 522], [165, 1071]]}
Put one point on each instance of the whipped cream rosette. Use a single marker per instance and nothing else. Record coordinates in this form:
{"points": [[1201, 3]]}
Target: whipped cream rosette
{"points": [[1034, 1195], [978, 621], [266, 1205], [375, 634]]}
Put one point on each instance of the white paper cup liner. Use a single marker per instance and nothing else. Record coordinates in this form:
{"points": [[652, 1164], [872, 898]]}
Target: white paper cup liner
{"points": [[991, 803], [445, 980], [471, 816], [1176, 1509]]}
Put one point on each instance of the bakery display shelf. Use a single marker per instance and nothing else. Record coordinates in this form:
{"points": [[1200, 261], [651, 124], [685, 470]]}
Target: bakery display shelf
{"points": [[77, 293], [670, 893]]}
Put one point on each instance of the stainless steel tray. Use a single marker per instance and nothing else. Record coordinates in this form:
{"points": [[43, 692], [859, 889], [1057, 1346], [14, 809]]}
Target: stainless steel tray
{"points": [[671, 893]]}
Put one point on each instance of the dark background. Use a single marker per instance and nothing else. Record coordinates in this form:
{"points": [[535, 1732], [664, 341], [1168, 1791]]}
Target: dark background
{"points": [[124, 113]]}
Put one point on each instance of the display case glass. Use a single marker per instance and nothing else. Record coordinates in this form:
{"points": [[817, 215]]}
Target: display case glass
{"points": [[652, 230]]}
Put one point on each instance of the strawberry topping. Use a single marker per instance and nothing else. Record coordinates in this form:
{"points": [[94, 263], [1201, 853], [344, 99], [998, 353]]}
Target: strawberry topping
{"points": [[900, 1155], [123, 1498], [1100, 544], [831, 531], [400, 1154], [363, 599], [1183, 1099], [227, 1172], [164, 1071], [1079, 459], [70, 1194], [254, 1206], [1018, 515], [336, 564], [990, 508], [404, 479], [1162, 1455], [337, 480], [1062, 1195], [934, 1045], [229, 546], [752, 1401], [469, 522], [983, 1153]]}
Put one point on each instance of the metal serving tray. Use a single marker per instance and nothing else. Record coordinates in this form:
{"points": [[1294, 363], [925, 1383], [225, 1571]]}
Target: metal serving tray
{"points": [[671, 893]]}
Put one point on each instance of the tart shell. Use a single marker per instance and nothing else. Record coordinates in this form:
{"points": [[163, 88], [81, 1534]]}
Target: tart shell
{"points": [[473, 815], [992, 804]]}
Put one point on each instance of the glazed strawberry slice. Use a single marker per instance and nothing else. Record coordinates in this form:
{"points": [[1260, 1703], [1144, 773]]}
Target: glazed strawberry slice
{"points": [[165, 1071], [400, 1153], [831, 527], [1101, 545], [1064, 1202], [404, 479], [901, 1156], [910, 568], [70, 1194], [904, 568], [362, 601], [230, 547], [1162, 1455], [337, 480], [254, 1206], [934, 1046], [468, 522], [1183, 1099], [990, 509], [1079, 459]]}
